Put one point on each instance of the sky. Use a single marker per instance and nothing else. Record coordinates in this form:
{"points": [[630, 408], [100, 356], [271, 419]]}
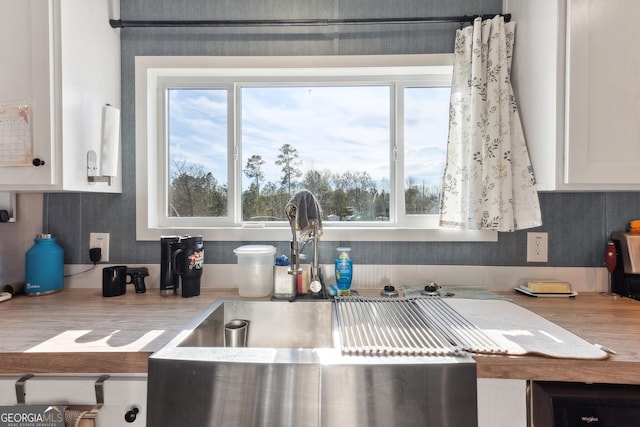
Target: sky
{"points": [[336, 128]]}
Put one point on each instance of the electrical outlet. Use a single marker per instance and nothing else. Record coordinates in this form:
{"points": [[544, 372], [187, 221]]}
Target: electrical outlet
{"points": [[537, 247], [100, 240]]}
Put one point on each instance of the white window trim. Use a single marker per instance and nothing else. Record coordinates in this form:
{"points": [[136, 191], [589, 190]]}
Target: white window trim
{"points": [[149, 177]]}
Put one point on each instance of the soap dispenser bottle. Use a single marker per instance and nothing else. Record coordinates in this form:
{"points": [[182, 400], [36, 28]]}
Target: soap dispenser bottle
{"points": [[344, 271]]}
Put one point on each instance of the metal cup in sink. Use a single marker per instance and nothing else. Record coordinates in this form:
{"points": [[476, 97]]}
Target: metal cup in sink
{"points": [[235, 333]]}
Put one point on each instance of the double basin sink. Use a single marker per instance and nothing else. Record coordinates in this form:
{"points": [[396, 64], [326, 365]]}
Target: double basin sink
{"points": [[292, 372]]}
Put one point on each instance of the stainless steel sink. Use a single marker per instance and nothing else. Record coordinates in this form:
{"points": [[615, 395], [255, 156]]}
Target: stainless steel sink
{"points": [[272, 324], [293, 373]]}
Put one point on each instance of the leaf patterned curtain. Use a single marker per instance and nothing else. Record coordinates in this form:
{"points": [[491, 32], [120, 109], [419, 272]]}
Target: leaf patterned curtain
{"points": [[488, 182]]}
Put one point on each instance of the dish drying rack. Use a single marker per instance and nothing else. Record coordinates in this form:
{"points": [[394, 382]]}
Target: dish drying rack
{"points": [[414, 326]]}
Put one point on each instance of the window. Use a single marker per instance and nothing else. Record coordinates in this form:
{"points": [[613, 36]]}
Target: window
{"points": [[227, 141], [333, 140]]}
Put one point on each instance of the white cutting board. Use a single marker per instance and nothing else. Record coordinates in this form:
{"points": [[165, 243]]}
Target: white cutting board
{"points": [[522, 332]]}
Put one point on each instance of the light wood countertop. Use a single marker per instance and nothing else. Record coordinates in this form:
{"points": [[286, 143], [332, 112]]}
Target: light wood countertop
{"points": [[613, 322], [79, 331]]}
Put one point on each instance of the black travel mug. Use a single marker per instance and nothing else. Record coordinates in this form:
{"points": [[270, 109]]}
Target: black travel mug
{"points": [[114, 281], [169, 282], [187, 262]]}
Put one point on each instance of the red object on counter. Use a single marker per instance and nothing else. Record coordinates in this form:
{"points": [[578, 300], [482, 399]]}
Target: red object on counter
{"points": [[610, 257]]}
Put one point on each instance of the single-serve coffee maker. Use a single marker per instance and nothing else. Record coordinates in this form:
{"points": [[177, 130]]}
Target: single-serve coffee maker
{"points": [[181, 263], [625, 278]]}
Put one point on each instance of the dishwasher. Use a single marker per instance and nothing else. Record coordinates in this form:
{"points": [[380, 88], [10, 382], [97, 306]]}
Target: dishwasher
{"points": [[564, 404]]}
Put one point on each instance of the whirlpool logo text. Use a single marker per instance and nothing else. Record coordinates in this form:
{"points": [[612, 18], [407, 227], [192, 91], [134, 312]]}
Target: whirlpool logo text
{"points": [[590, 419]]}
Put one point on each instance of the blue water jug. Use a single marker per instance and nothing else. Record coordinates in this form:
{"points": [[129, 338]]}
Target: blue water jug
{"points": [[44, 266]]}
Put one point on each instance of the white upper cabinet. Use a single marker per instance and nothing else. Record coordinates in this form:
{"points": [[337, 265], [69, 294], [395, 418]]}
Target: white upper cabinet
{"points": [[573, 73], [537, 76], [65, 65], [603, 92]]}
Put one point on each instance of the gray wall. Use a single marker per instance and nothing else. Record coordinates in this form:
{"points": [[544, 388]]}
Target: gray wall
{"points": [[578, 223]]}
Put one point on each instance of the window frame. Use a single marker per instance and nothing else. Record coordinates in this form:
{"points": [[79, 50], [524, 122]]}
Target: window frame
{"points": [[173, 222], [153, 73]]}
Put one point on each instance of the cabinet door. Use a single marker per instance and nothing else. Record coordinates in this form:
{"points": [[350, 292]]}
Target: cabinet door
{"points": [[502, 403], [537, 75], [603, 93], [24, 29], [88, 77], [65, 64]]}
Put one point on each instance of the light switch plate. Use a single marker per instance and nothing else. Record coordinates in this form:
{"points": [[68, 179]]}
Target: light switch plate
{"points": [[537, 247], [100, 240]]}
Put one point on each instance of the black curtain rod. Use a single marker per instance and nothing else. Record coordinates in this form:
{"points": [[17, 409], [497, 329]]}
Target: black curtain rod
{"points": [[119, 23]]}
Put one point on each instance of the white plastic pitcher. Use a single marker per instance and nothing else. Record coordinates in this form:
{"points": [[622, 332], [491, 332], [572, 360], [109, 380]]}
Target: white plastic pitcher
{"points": [[254, 275]]}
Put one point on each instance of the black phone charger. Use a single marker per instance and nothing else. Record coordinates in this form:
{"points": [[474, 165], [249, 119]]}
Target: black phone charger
{"points": [[95, 254]]}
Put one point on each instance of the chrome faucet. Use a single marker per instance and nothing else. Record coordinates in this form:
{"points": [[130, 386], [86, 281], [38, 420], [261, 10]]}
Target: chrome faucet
{"points": [[304, 215], [316, 285]]}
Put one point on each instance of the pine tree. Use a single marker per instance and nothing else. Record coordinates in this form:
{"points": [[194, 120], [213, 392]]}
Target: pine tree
{"points": [[253, 169], [288, 160]]}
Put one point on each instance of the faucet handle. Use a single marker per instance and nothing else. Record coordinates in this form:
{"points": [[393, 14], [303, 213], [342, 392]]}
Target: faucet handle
{"points": [[315, 286], [389, 291]]}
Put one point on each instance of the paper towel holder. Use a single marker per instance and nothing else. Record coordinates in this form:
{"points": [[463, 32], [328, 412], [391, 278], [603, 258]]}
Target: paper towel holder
{"points": [[109, 148], [92, 169]]}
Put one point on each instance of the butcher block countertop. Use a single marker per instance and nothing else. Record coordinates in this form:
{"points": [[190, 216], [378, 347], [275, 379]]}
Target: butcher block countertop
{"points": [[79, 331], [611, 321]]}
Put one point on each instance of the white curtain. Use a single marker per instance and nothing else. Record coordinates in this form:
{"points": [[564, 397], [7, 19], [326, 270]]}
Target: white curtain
{"points": [[488, 182]]}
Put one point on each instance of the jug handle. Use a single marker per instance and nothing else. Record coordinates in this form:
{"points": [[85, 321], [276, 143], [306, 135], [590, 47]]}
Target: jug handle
{"points": [[174, 256]]}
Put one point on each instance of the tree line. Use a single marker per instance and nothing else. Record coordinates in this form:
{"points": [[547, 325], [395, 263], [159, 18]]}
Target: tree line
{"points": [[348, 196]]}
